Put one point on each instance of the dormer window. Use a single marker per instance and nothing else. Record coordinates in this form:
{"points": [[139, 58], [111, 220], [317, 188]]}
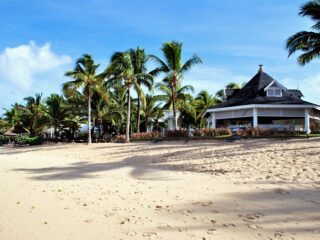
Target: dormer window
{"points": [[274, 92]]}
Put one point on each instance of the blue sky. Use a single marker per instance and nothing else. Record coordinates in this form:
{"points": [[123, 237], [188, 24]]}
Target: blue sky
{"points": [[41, 39]]}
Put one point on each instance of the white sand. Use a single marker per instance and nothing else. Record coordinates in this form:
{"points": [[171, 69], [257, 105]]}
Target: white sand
{"points": [[199, 190]]}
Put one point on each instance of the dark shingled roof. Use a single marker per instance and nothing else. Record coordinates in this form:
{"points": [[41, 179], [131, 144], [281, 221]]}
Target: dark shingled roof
{"points": [[253, 93]]}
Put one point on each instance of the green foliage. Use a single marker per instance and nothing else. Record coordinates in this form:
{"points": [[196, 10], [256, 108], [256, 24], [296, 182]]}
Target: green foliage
{"points": [[27, 140], [174, 70], [307, 42], [20, 140]]}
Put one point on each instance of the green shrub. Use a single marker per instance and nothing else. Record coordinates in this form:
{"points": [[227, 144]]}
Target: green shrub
{"points": [[27, 140]]}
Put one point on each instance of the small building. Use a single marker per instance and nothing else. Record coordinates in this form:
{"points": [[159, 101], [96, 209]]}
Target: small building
{"points": [[263, 102]]}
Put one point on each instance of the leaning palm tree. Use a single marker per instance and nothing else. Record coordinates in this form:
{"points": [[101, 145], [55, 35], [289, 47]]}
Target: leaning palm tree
{"points": [[307, 41], [174, 69], [140, 59], [85, 76], [121, 69]]}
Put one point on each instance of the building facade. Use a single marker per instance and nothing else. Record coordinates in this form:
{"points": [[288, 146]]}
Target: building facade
{"points": [[263, 102]]}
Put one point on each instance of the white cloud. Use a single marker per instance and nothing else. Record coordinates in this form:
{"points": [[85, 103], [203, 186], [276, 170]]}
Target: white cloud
{"points": [[20, 65]]}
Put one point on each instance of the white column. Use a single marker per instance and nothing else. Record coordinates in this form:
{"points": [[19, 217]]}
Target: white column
{"points": [[255, 118], [213, 120], [307, 121]]}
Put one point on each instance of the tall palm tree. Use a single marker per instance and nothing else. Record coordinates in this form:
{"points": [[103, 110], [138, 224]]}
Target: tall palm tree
{"points": [[307, 41], [140, 59], [121, 69], [85, 76], [174, 69]]}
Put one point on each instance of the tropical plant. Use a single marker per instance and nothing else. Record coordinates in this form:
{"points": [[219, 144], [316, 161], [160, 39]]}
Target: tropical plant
{"points": [[202, 102], [57, 112], [152, 110], [139, 60], [3, 125], [308, 42], [220, 95], [12, 116], [86, 77], [174, 70], [121, 69], [33, 115]]}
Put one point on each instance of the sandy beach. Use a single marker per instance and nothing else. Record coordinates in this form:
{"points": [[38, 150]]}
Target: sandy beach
{"points": [[253, 189]]}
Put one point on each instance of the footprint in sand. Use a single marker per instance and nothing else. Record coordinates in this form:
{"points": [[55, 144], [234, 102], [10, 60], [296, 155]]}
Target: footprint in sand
{"points": [[151, 235], [124, 220], [131, 233], [252, 217], [281, 191], [203, 204], [254, 227], [164, 226], [212, 231]]}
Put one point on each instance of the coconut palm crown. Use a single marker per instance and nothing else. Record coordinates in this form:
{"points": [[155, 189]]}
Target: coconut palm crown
{"points": [[308, 42], [174, 69]]}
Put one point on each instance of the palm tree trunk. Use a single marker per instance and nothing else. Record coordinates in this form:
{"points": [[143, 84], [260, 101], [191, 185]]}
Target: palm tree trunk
{"points": [[174, 84], [101, 128], [138, 115], [128, 117], [55, 134], [175, 122], [89, 119]]}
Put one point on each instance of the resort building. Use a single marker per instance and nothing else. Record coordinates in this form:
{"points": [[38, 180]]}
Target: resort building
{"points": [[265, 103]]}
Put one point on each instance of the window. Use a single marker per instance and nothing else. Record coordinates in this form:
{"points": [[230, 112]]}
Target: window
{"points": [[274, 92]]}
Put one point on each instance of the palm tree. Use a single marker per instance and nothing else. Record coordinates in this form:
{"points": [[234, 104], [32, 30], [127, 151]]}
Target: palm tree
{"points": [[4, 125], [34, 115], [174, 69], [13, 116], [307, 41], [220, 94], [109, 111], [57, 112], [85, 76], [140, 59], [202, 102], [121, 69], [181, 100], [152, 110]]}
